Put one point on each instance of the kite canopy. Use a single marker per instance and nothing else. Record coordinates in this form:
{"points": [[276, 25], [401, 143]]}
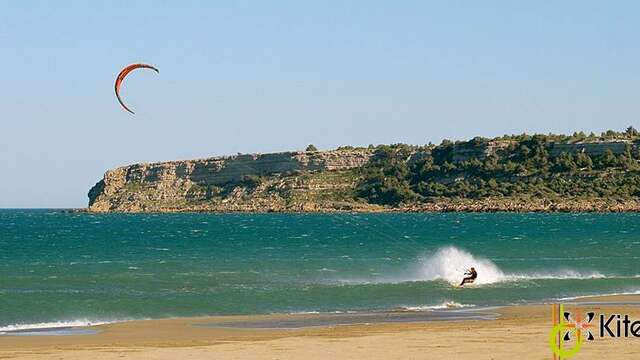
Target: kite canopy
{"points": [[124, 74]]}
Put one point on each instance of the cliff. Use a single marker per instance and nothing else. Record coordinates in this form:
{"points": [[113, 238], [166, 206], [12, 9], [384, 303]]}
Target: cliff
{"points": [[253, 182], [509, 173]]}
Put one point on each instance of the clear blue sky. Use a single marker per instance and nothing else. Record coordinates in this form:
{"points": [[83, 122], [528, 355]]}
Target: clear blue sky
{"points": [[258, 76]]}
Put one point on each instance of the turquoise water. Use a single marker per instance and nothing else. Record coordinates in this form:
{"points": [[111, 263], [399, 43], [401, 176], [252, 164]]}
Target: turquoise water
{"points": [[66, 268]]}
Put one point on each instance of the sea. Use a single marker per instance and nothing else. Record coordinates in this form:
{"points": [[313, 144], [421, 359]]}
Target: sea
{"points": [[60, 268]]}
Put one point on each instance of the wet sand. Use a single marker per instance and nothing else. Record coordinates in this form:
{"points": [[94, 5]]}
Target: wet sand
{"points": [[515, 332]]}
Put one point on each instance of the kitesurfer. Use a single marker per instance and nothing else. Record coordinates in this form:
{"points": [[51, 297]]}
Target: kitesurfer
{"points": [[470, 276]]}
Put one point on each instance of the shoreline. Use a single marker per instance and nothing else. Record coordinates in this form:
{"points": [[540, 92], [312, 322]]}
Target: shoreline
{"points": [[428, 313], [293, 320], [436, 209], [450, 307], [204, 337], [441, 205]]}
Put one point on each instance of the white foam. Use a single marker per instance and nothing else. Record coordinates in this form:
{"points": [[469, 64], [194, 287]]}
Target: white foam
{"points": [[569, 298], [53, 325], [449, 263], [444, 305], [304, 313], [560, 274]]}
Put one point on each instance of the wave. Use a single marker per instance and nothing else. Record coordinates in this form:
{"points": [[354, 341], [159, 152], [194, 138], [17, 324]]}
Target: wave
{"points": [[449, 263], [569, 298], [55, 325], [561, 275], [444, 306]]}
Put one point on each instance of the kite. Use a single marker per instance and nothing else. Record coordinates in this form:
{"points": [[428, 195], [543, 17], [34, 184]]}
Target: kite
{"points": [[124, 74]]}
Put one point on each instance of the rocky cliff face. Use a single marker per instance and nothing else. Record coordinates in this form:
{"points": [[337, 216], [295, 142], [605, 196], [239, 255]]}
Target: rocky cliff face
{"points": [[436, 178], [277, 181]]}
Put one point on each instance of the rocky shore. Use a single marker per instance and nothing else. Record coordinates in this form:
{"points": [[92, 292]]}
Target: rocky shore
{"points": [[524, 205]]}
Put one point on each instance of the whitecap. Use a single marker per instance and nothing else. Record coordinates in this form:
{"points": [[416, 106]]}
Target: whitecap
{"points": [[55, 324], [443, 306]]}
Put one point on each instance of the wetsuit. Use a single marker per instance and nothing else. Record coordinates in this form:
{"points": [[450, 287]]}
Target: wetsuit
{"points": [[471, 278]]}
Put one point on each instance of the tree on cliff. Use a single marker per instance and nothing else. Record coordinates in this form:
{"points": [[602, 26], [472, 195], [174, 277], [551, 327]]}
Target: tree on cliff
{"points": [[385, 177], [311, 148]]}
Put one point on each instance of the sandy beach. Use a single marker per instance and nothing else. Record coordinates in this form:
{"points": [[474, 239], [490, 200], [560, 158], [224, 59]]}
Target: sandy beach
{"points": [[518, 332]]}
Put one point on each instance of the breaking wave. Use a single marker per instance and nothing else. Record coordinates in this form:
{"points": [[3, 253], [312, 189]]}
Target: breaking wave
{"points": [[449, 263], [54, 325], [444, 306]]}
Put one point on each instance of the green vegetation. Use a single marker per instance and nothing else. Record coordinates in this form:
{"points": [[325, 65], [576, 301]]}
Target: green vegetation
{"points": [[550, 172], [251, 182], [134, 186], [517, 166]]}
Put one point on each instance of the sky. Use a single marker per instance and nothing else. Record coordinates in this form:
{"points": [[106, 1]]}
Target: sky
{"points": [[258, 76]]}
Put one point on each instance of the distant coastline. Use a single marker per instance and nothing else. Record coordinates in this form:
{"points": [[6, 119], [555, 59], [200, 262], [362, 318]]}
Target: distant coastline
{"points": [[516, 173], [477, 206]]}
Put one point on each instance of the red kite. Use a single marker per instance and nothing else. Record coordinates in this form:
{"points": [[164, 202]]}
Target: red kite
{"points": [[124, 74]]}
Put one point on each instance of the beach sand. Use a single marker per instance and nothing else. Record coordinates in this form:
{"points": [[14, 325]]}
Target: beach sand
{"points": [[520, 332]]}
